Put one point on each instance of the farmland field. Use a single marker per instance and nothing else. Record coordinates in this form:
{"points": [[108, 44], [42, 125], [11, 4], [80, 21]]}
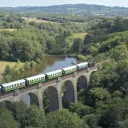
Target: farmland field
{"points": [[37, 20], [3, 64], [9, 29], [78, 35]]}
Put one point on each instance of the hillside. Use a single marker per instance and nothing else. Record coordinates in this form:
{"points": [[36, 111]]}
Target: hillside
{"points": [[79, 9]]}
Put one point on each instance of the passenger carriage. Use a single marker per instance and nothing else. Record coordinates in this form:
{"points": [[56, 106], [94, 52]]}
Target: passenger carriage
{"points": [[53, 74], [82, 66], [35, 79], [12, 85], [69, 70]]}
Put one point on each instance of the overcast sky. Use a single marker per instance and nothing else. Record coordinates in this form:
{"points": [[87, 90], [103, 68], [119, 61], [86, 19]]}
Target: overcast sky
{"points": [[14, 3]]}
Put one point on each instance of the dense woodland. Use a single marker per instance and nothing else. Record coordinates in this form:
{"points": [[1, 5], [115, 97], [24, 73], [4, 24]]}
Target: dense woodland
{"points": [[104, 104]]}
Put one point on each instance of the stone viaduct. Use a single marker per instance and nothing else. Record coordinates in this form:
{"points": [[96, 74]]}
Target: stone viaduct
{"points": [[35, 94]]}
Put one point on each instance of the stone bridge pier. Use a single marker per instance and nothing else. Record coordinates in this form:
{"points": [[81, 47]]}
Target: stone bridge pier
{"points": [[64, 89]]}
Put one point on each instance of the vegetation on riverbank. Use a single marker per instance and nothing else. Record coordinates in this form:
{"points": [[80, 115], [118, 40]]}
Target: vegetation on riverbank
{"points": [[13, 70], [3, 64]]}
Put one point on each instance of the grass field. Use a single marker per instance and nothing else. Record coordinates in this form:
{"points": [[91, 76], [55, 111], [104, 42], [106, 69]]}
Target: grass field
{"points": [[3, 64], [78, 35], [8, 29], [37, 20]]}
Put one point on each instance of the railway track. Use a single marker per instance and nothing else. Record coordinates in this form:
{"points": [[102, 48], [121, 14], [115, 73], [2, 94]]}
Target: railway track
{"points": [[22, 90]]}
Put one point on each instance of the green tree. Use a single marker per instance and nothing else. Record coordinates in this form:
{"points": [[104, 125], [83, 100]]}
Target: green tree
{"points": [[76, 47], [20, 112], [123, 124], [64, 119], [119, 53], [111, 117], [99, 97], [95, 80], [80, 109], [7, 120], [35, 117], [91, 120]]}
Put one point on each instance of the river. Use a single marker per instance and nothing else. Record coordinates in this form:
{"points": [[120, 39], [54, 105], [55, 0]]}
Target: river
{"points": [[50, 63]]}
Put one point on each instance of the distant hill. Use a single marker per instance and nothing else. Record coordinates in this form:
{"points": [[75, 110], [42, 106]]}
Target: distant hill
{"points": [[79, 9]]}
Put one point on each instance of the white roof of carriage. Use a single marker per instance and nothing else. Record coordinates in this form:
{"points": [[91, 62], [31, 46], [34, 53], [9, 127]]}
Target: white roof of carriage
{"points": [[81, 64], [54, 72], [35, 77], [71, 67], [13, 83]]}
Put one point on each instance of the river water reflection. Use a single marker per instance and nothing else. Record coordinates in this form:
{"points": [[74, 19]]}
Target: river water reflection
{"points": [[50, 63]]}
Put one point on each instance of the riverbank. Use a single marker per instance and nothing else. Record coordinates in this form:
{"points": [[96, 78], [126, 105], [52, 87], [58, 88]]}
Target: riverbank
{"points": [[83, 58], [3, 64], [14, 68]]}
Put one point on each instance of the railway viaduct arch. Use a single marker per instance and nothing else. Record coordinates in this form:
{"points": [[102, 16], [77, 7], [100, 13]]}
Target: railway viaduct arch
{"points": [[56, 95]]}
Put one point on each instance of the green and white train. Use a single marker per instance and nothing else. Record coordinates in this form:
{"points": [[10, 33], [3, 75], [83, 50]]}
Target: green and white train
{"points": [[42, 78]]}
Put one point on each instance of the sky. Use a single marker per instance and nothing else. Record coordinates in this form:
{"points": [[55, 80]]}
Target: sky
{"points": [[14, 3]]}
